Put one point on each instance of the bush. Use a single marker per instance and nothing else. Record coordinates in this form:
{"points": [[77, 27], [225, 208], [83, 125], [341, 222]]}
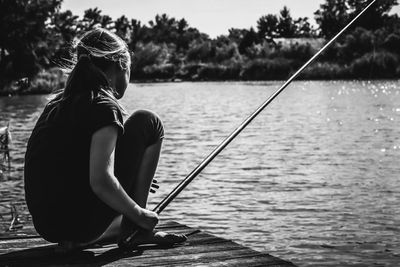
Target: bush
{"points": [[164, 71], [392, 43], [148, 55], [189, 71], [47, 81], [356, 44], [226, 52], [202, 51], [218, 72], [375, 65], [267, 69], [263, 50], [325, 71], [299, 52]]}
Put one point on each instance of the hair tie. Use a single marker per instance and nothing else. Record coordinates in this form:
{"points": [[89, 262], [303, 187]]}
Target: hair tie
{"points": [[84, 56]]}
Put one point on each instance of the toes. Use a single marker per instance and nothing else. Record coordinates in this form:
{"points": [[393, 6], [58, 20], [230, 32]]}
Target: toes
{"points": [[158, 238], [176, 238], [165, 238]]}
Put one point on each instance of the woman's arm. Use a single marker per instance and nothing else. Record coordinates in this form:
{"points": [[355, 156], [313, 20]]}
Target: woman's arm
{"points": [[106, 186]]}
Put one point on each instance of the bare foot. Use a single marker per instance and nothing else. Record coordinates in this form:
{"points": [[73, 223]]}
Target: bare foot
{"points": [[156, 237], [142, 238]]}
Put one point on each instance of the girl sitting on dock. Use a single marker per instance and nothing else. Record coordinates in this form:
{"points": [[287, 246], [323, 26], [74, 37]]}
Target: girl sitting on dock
{"points": [[88, 174]]}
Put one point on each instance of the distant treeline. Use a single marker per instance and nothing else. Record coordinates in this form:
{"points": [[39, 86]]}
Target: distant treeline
{"points": [[35, 37]]}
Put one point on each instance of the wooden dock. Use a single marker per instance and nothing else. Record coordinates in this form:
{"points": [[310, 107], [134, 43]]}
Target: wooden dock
{"points": [[201, 249]]}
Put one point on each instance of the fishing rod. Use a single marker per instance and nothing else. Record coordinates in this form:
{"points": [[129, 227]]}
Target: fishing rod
{"points": [[182, 185]]}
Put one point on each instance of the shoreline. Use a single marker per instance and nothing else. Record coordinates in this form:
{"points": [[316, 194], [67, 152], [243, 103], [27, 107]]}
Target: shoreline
{"points": [[10, 93]]}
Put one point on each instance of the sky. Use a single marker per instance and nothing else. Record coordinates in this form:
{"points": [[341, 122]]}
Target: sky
{"points": [[213, 17]]}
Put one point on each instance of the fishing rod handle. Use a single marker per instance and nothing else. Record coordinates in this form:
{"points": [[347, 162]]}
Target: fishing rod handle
{"points": [[126, 243]]}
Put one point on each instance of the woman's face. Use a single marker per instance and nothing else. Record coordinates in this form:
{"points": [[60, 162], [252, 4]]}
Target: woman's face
{"points": [[122, 80]]}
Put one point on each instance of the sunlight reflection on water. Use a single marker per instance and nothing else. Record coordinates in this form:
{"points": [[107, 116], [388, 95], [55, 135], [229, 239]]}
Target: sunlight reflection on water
{"points": [[313, 179]]}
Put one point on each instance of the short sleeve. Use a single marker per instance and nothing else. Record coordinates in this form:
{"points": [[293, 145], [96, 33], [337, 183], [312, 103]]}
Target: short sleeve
{"points": [[105, 112]]}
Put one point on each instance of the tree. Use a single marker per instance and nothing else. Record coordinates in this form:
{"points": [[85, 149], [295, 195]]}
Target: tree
{"points": [[303, 28], [64, 27], [375, 17], [24, 33], [92, 18], [236, 35], [65, 24], [164, 28], [182, 26], [137, 33], [267, 26], [286, 28], [271, 26], [331, 17], [248, 40], [123, 28], [106, 22]]}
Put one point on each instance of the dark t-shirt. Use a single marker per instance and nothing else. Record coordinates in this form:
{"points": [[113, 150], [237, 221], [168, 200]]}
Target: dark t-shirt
{"points": [[58, 152]]}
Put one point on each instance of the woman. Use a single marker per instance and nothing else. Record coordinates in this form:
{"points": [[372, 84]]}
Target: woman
{"points": [[87, 173]]}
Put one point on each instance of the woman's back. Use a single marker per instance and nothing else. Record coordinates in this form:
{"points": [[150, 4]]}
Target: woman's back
{"points": [[57, 157]]}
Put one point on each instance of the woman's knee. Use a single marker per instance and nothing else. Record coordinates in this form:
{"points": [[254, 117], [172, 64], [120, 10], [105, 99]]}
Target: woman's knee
{"points": [[146, 123]]}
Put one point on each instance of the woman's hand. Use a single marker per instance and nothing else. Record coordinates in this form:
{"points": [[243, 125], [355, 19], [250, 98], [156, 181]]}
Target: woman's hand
{"points": [[148, 219]]}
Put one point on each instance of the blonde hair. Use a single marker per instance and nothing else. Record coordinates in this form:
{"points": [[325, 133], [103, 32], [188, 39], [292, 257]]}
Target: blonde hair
{"points": [[101, 43], [93, 53]]}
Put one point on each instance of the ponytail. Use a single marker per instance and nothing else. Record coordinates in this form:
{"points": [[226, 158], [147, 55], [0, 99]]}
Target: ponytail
{"points": [[85, 77]]}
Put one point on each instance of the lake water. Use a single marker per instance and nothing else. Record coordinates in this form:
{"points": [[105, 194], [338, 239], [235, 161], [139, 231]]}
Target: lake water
{"points": [[314, 179]]}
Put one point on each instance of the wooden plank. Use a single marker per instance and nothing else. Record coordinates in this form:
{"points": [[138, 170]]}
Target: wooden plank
{"points": [[44, 257], [206, 254], [14, 244], [7, 246], [201, 249], [10, 245], [187, 260], [28, 231], [258, 260], [178, 255], [186, 249]]}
